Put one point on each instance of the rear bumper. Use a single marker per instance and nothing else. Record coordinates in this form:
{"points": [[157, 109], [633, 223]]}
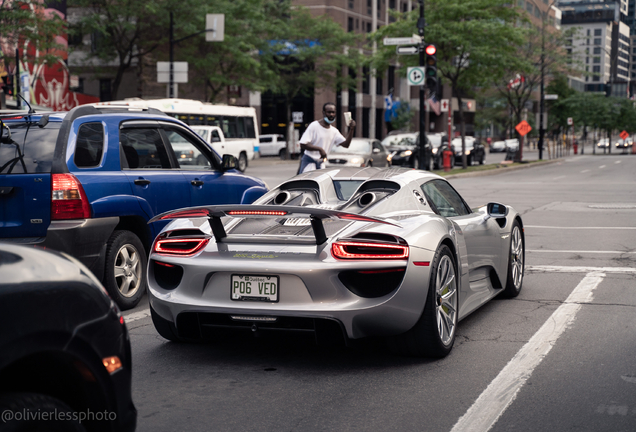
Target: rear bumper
{"points": [[84, 239]]}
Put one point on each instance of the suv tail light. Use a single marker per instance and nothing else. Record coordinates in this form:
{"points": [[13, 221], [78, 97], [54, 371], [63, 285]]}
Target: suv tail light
{"points": [[368, 250], [68, 199]]}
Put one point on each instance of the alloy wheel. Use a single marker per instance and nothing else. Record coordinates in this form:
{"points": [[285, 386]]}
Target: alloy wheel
{"points": [[516, 257], [128, 270], [446, 300]]}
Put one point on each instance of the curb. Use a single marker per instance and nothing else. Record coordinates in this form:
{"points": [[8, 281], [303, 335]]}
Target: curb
{"points": [[502, 169]]}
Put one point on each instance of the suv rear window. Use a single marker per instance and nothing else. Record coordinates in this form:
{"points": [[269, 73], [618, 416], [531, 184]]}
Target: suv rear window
{"points": [[31, 149]]}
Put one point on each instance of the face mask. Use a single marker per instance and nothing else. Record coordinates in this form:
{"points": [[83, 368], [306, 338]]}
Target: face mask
{"points": [[329, 121]]}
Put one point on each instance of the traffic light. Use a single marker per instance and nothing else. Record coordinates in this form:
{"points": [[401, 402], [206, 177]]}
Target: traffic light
{"points": [[431, 68], [608, 89], [7, 84]]}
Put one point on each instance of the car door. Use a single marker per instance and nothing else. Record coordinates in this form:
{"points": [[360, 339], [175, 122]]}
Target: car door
{"points": [[266, 145], [379, 154], [206, 183], [480, 234], [151, 169]]}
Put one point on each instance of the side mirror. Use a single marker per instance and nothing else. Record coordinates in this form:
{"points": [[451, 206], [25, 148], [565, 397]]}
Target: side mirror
{"points": [[229, 162], [497, 211]]}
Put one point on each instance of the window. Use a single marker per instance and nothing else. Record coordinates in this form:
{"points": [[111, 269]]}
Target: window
{"points": [[587, 59], [368, 27], [597, 50], [521, 4], [143, 149], [378, 86], [89, 146], [369, 7], [529, 7], [187, 153], [352, 4], [598, 32], [596, 69], [391, 4], [597, 41], [597, 59], [105, 93], [588, 32], [365, 80], [444, 199], [250, 130], [596, 78], [350, 24]]}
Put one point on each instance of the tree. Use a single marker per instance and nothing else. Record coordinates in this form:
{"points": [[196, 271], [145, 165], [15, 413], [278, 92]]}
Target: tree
{"points": [[27, 25], [476, 43], [307, 55], [122, 32]]}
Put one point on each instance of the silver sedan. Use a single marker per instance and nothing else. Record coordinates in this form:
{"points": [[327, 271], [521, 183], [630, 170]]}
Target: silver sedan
{"points": [[337, 254], [362, 152]]}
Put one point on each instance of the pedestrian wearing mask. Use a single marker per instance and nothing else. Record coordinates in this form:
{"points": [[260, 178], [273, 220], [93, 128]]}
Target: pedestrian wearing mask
{"points": [[320, 137]]}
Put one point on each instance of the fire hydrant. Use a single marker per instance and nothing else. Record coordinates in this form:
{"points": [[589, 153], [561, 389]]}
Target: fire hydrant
{"points": [[575, 146], [447, 155]]}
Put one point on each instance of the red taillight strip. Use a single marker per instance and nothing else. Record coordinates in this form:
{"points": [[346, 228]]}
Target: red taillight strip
{"points": [[162, 246], [187, 214], [255, 213], [163, 264], [422, 263], [339, 250]]}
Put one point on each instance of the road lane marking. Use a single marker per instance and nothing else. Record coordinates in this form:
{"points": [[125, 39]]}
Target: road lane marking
{"points": [[144, 313], [602, 166], [579, 228], [579, 251], [617, 162], [557, 178], [579, 269], [503, 390], [584, 171]]}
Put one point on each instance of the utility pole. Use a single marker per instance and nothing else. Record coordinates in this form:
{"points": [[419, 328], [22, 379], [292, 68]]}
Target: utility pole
{"points": [[423, 157], [171, 84]]}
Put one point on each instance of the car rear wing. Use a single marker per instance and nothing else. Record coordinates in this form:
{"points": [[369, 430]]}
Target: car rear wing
{"points": [[315, 216]]}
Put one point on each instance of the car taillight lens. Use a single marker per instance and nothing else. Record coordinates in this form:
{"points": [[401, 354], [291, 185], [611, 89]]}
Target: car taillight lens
{"points": [[181, 247], [68, 200], [362, 250]]}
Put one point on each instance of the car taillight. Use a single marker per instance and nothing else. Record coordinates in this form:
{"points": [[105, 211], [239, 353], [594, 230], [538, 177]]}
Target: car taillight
{"points": [[68, 200], [180, 246], [362, 250]]}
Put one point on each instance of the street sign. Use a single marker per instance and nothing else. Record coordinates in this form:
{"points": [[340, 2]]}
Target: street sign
{"points": [[444, 105], [407, 49], [570, 121], [415, 75], [297, 116], [413, 40], [215, 27], [523, 128], [179, 72], [551, 97], [624, 135]]}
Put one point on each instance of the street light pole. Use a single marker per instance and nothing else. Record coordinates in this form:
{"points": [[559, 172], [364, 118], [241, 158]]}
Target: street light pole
{"points": [[422, 153], [171, 84]]}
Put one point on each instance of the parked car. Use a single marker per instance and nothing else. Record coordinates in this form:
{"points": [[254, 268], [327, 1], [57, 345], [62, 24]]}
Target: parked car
{"points": [[512, 144], [338, 254], [603, 143], [274, 145], [86, 182], [475, 151], [403, 149], [498, 147], [439, 144], [362, 152], [241, 149], [624, 143], [65, 348]]}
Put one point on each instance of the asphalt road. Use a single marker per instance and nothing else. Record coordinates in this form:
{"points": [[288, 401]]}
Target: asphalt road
{"points": [[559, 357]]}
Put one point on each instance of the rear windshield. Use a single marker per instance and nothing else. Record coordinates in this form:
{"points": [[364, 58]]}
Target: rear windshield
{"points": [[31, 155]]}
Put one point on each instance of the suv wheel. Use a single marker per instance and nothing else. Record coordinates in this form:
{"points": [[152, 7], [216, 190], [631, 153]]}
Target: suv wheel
{"points": [[124, 275]]}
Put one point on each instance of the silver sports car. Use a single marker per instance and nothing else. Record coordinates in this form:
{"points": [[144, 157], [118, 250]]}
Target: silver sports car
{"points": [[346, 253]]}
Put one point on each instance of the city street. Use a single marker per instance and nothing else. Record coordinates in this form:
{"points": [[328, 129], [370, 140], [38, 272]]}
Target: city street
{"points": [[558, 357]]}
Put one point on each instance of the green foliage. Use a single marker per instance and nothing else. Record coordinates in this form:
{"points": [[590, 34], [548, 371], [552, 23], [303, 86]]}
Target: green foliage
{"points": [[24, 25]]}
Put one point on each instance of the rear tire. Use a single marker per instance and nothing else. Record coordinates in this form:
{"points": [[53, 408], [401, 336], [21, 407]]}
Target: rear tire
{"points": [[242, 162], [416, 163], [125, 270], [434, 334], [38, 413], [516, 262], [282, 154]]}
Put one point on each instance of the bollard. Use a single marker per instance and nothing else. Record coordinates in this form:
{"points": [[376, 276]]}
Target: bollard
{"points": [[447, 155]]}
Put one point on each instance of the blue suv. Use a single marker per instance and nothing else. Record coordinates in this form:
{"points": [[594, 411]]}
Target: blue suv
{"points": [[87, 182]]}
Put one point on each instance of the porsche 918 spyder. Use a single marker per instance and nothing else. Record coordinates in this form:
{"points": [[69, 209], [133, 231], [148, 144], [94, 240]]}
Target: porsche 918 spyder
{"points": [[347, 253]]}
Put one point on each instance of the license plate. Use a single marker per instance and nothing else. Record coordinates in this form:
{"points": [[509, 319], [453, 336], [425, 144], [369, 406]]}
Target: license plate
{"points": [[254, 288]]}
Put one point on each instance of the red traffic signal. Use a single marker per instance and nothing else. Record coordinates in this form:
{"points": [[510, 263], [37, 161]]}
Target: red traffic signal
{"points": [[430, 50]]}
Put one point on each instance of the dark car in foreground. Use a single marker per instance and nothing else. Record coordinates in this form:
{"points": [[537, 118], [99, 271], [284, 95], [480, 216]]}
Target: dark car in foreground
{"points": [[86, 182], [65, 358], [337, 254]]}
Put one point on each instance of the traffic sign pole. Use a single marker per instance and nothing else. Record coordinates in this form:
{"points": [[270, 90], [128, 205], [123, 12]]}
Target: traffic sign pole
{"points": [[424, 162]]}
